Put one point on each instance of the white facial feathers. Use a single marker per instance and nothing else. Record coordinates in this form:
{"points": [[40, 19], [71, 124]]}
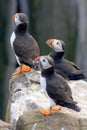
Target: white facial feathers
{"points": [[45, 63], [57, 45], [17, 20]]}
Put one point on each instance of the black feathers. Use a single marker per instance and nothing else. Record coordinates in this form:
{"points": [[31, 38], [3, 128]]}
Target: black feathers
{"points": [[57, 87], [24, 45]]}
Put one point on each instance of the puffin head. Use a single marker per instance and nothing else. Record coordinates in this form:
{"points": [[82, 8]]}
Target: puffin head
{"points": [[19, 18], [46, 62], [57, 45]]}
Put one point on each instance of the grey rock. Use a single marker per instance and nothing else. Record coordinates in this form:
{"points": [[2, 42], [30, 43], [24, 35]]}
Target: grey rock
{"points": [[27, 98]]}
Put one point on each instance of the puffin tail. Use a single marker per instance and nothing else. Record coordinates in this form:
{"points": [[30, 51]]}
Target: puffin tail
{"points": [[78, 77], [70, 106], [74, 107]]}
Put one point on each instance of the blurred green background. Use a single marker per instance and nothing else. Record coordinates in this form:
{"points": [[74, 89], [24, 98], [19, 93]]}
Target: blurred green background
{"points": [[65, 20]]}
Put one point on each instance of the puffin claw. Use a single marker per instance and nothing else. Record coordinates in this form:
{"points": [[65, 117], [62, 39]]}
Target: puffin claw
{"points": [[23, 68], [56, 108], [46, 111]]}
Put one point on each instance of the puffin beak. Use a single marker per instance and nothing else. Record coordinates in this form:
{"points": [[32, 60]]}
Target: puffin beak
{"points": [[13, 17], [50, 42], [36, 61], [37, 58]]}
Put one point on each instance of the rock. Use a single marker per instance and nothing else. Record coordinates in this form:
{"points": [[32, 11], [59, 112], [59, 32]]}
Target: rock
{"points": [[5, 125], [56, 121], [27, 98], [79, 90], [26, 95]]}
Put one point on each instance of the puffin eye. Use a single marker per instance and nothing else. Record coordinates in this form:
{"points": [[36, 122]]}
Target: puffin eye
{"points": [[57, 43], [43, 60]]}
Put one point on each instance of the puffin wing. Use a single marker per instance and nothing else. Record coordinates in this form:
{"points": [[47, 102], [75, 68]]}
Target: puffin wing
{"points": [[26, 48], [59, 90], [68, 67], [73, 64], [70, 64]]}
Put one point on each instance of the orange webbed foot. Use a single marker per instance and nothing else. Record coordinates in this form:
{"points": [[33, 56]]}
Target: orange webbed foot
{"points": [[46, 111], [23, 68], [56, 108]]}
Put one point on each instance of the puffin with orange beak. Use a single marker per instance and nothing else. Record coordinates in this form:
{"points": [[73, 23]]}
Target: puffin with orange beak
{"points": [[23, 44], [64, 67], [56, 86]]}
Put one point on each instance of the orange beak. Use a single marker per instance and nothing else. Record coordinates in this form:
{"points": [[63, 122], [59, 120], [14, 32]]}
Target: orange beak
{"points": [[50, 42], [37, 58], [13, 17]]}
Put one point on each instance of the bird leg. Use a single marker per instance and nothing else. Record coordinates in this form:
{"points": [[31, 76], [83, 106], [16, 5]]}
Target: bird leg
{"points": [[56, 108], [46, 111], [22, 68]]}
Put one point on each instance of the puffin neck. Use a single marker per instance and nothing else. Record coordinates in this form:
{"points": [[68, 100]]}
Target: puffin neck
{"points": [[21, 28], [57, 55], [47, 72]]}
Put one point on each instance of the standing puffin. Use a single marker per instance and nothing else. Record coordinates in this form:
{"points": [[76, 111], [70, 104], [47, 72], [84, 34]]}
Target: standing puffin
{"points": [[64, 67], [56, 86], [23, 44]]}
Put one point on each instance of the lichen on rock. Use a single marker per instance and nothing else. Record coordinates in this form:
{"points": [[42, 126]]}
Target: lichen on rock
{"points": [[27, 98], [26, 95]]}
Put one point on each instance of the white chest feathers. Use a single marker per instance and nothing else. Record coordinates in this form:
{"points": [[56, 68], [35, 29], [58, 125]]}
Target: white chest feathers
{"points": [[13, 36], [43, 82], [43, 85]]}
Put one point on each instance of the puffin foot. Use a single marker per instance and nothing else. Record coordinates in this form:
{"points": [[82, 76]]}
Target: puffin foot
{"points": [[23, 68], [56, 108], [46, 111]]}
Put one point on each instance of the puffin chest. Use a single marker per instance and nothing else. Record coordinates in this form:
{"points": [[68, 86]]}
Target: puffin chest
{"points": [[12, 39], [43, 82]]}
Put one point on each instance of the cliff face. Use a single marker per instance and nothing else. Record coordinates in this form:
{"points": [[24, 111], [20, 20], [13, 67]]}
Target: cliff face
{"points": [[27, 98]]}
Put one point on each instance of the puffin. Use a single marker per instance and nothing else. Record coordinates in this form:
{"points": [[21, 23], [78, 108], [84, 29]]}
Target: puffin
{"points": [[23, 44], [64, 67], [56, 86]]}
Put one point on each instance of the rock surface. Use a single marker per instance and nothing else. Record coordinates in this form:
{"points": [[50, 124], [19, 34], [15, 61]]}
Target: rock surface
{"points": [[27, 98], [5, 125]]}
